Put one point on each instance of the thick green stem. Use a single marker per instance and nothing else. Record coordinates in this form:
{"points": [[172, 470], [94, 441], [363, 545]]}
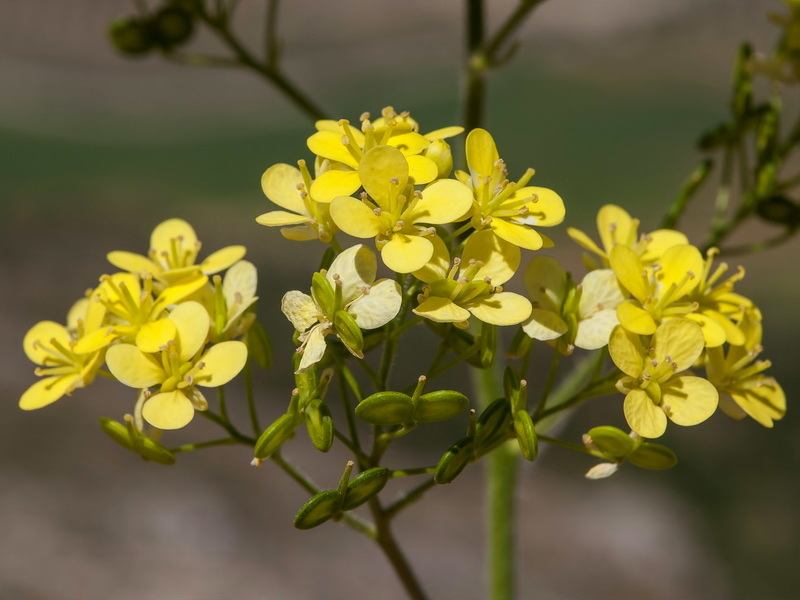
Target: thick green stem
{"points": [[251, 402], [475, 84]]}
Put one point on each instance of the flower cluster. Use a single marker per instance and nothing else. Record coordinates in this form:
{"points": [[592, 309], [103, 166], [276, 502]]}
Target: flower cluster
{"points": [[165, 324]]}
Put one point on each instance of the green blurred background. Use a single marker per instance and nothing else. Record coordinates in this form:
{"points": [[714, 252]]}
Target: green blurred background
{"points": [[604, 99]]}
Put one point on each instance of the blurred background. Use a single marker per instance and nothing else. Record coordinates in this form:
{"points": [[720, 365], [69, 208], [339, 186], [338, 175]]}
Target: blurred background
{"points": [[604, 99]]}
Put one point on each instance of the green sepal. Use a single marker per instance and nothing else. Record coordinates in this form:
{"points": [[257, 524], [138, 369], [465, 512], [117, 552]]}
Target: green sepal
{"points": [[259, 347], [349, 332], [440, 406], [493, 425], [324, 295], [273, 437], [526, 435], [386, 408], [364, 486], [511, 381], [614, 443], [454, 460], [653, 456], [318, 509], [319, 425], [145, 447], [488, 344]]}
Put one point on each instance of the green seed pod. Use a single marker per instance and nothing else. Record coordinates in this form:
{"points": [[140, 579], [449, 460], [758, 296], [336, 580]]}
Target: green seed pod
{"points": [[273, 437], [319, 425], [526, 435], [131, 36], [440, 406], [614, 443], [259, 347], [454, 460], [779, 210], [172, 26], [319, 509], [145, 447], [386, 408], [653, 456], [324, 295], [365, 486], [349, 332], [493, 425]]}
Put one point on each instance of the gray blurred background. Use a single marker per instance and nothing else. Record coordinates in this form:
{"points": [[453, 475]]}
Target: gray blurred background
{"points": [[605, 99]]}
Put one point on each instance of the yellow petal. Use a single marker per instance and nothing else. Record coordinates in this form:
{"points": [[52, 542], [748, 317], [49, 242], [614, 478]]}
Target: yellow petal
{"points": [[354, 217], [635, 319], [441, 310], [45, 391], [544, 325], [240, 283], [356, 267], [600, 292], [733, 335], [378, 307], [95, 340], [442, 202], [301, 233], [280, 218], [334, 183], [659, 241], [192, 322], [164, 233], [300, 309], [331, 125], [546, 283], [629, 270], [134, 263], [626, 351], [593, 333], [519, 235], [679, 339], [764, 403], [503, 308], [584, 241], [328, 144], [279, 184], [221, 363], [500, 258], [178, 291], [409, 143], [644, 417], [168, 410], [314, 349], [682, 266], [376, 170], [481, 153], [615, 227], [406, 253], [713, 332], [545, 211], [444, 132], [688, 400], [38, 339], [134, 368], [438, 265], [222, 259], [155, 334]]}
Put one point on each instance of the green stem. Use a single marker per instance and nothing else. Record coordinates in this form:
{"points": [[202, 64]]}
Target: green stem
{"points": [[363, 459], [226, 425], [346, 378], [687, 192], [475, 86], [507, 29], [548, 387], [271, 35], [759, 246], [570, 445], [409, 498], [413, 471], [223, 409], [251, 402], [209, 444], [720, 227]]}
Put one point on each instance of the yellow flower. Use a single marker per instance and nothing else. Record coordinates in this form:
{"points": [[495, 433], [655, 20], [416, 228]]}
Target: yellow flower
{"points": [[745, 389], [346, 296], [52, 346], [394, 213], [581, 315], [473, 286], [133, 312], [659, 290], [173, 250], [307, 218], [654, 388], [617, 228], [178, 368], [340, 148], [509, 209]]}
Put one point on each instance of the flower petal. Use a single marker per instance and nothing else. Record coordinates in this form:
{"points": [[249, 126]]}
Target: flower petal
{"points": [[328, 144], [300, 309], [133, 263], [314, 349], [601, 292], [192, 322], [222, 259], [168, 410], [422, 169], [688, 400], [438, 265], [629, 270], [546, 283], [713, 332], [503, 308], [545, 211], [221, 363], [644, 417], [155, 334], [681, 266], [660, 241], [500, 258], [279, 184], [377, 168], [356, 267], [240, 282], [406, 253], [764, 403], [171, 229], [280, 218], [584, 241], [409, 143], [444, 132], [45, 392], [334, 183], [593, 333], [615, 227], [133, 367], [378, 307], [626, 351], [442, 202], [544, 325], [634, 318], [481, 153], [354, 217], [679, 341], [441, 310], [38, 339], [519, 235]]}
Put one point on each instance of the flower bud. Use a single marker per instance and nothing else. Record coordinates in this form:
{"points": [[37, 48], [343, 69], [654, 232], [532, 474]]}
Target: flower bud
{"points": [[439, 152]]}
